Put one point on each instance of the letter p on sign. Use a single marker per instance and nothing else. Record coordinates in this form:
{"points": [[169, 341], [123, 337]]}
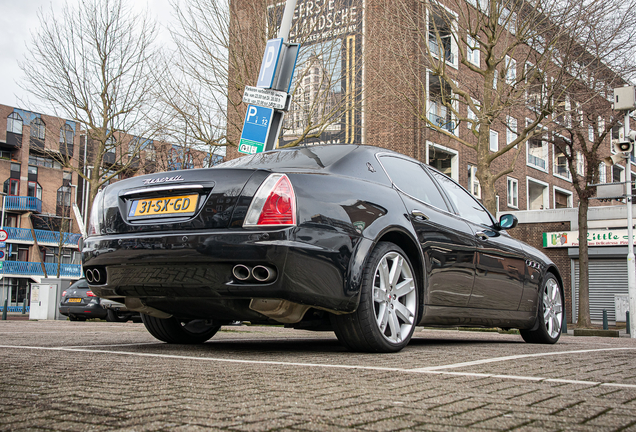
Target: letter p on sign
{"points": [[269, 64]]}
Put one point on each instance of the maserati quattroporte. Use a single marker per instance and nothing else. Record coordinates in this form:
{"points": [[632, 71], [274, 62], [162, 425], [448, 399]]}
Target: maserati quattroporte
{"points": [[360, 240]]}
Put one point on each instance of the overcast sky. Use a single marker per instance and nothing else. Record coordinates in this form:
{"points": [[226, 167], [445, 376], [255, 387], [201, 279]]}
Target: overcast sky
{"points": [[19, 19]]}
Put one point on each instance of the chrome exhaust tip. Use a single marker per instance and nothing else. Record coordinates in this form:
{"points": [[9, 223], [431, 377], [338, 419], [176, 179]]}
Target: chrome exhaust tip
{"points": [[96, 276], [89, 275], [241, 272], [263, 274]]}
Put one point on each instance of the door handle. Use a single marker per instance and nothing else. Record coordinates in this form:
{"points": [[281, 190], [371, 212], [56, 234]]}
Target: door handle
{"points": [[481, 235], [418, 214]]}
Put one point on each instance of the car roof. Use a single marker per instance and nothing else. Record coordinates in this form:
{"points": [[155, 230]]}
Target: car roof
{"points": [[304, 157]]}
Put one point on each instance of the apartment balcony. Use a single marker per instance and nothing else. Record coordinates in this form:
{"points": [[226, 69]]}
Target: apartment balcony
{"points": [[47, 238], [23, 203], [536, 161], [23, 268], [441, 122]]}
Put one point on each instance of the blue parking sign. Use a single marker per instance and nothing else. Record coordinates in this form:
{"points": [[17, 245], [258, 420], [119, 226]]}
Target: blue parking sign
{"points": [[255, 129], [269, 63]]}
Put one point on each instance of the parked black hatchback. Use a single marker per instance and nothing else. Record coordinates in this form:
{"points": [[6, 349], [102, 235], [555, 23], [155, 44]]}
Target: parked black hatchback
{"points": [[79, 303]]}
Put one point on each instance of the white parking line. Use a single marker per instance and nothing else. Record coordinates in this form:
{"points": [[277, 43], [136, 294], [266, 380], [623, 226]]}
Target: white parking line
{"points": [[515, 357], [431, 371]]}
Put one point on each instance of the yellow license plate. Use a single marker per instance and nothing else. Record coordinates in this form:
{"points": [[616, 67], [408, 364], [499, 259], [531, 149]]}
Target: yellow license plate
{"points": [[164, 206], [75, 300]]}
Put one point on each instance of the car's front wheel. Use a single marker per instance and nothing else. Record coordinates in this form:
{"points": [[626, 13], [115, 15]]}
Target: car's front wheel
{"points": [[386, 316], [176, 331], [550, 314]]}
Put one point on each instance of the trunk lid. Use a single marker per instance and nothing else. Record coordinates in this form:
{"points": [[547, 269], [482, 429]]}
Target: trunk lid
{"points": [[179, 200]]}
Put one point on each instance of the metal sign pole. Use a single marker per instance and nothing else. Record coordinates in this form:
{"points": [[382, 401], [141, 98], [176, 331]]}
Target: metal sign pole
{"points": [[631, 270], [285, 25]]}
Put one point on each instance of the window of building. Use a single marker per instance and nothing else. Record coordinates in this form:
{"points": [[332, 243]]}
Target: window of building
{"points": [[590, 133], [472, 117], [618, 174], [560, 166], [495, 79], [602, 173], [510, 67], [508, 20], [513, 192], [562, 198], [34, 190], [63, 203], [440, 102], [44, 162], [494, 141], [38, 128], [14, 123], [580, 164], [472, 51], [444, 159], [442, 31], [537, 153], [66, 135], [511, 130], [535, 87], [538, 194], [473, 182], [12, 221], [12, 187]]}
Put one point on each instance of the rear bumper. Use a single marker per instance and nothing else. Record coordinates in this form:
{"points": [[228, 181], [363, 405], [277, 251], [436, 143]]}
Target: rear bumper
{"points": [[93, 311], [190, 273]]}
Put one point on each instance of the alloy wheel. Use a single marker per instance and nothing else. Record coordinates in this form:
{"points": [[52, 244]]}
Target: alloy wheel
{"points": [[394, 297], [552, 308]]}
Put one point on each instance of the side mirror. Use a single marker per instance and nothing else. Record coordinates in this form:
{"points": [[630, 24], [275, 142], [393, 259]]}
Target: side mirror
{"points": [[508, 221]]}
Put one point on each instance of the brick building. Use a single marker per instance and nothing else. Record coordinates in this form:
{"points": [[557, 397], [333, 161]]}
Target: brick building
{"points": [[39, 192], [540, 178]]}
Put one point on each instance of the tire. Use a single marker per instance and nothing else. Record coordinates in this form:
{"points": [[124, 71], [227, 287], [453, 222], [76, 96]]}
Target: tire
{"points": [[112, 316], [72, 318], [550, 314], [386, 316], [175, 331]]}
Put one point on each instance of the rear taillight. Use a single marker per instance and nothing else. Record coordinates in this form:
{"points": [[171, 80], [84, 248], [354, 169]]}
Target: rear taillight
{"points": [[90, 294], [64, 294], [274, 203]]}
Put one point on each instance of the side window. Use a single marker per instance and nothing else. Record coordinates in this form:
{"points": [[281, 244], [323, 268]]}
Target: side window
{"points": [[468, 207], [411, 178]]}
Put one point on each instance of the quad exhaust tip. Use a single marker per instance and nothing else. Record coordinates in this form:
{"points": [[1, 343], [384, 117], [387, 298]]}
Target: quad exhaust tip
{"points": [[93, 276], [259, 273]]}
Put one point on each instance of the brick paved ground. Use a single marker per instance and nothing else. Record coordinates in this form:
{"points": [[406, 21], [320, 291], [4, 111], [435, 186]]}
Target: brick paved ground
{"points": [[74, 376]]}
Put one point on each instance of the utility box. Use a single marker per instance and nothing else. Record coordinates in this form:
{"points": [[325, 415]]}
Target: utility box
{"points": [[624, 98], [621, 306], [46, 297], [43, 301]]}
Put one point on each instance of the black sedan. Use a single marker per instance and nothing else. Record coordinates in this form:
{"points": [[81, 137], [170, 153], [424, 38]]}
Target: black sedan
{"points": [[79, 303], [357, 239]]}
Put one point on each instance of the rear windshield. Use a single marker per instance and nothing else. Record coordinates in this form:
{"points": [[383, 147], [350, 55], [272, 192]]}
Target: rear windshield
{"points": [[318, 157]]}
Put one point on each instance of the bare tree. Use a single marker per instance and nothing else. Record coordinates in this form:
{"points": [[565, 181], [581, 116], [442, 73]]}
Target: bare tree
{"points": [[483, 62], [92, 64], [584, 120], [219, 51]]}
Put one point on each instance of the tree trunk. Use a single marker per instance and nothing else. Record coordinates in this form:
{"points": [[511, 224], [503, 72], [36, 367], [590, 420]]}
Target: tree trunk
{"points": [[584, 278]]}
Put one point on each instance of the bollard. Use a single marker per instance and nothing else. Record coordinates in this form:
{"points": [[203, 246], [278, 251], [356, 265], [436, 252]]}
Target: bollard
{"points": [[4, 311], [564, 327], [627, 323], [605, 326], [24, 306]]}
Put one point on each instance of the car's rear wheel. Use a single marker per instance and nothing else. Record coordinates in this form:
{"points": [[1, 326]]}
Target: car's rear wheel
{"points": [[112, 316], [386, 316], [176, 331], [550, 314]]}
